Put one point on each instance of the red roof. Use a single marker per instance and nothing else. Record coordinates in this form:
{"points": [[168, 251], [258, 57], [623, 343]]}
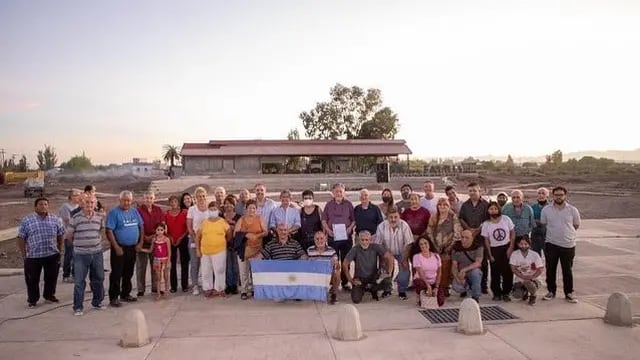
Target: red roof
{"points": [[296, 147]]}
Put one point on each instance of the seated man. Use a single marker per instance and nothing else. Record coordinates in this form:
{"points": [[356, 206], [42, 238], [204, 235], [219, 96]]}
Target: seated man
{"points": [[466, 262], [320, 251], [365, 255], [527, 266], [282, 247]]}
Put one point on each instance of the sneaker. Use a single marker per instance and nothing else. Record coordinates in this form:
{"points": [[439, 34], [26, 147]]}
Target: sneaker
{"points": [[485, 291], [173, 291], [506, 298], [525, 296], [31, 305], [78, 313], [385, 294], [532, 300], [128, 298], [570, 299], [140, 294], [51, 299], [346, 287], [549, 296], [115, 303], [196, 291], [100, 307], [403, 296], [333, 299], [244, 296]]}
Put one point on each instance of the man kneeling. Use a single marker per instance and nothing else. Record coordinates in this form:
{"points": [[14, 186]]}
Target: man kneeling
{"points": [[527, 266], [365, 255], [320, 251]]}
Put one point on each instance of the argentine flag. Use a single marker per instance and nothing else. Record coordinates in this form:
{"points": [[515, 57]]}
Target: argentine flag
{"points": [[291, 279]]}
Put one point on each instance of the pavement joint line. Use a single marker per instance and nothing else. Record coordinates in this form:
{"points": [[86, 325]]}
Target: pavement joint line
{"points": [[164, 329], [509, 344], [326, 331]]}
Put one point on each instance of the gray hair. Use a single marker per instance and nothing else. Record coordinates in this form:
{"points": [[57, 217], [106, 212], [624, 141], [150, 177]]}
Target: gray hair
{"points": [[125, 194], [337, 185], [517, 192], [546, 191], [364, 232], [220, 188]]}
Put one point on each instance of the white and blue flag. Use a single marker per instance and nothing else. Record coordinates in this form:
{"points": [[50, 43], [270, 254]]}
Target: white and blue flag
{"points": [[291, 279]]}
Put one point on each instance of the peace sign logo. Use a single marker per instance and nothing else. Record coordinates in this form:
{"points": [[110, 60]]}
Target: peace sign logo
{"points": [[499, 234]]}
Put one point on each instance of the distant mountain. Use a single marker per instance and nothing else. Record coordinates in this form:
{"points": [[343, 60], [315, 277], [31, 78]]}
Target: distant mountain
{"points": [[631, 156]]}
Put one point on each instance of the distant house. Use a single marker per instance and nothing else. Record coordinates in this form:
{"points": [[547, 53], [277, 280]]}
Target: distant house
{"points": [[140, 167]]}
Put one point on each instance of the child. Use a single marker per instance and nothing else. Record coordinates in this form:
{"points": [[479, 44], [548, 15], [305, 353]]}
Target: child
{"points": [[527, 266], [161, 256]]}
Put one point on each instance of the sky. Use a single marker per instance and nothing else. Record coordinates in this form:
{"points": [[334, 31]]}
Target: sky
{"points": [[118, 79]]}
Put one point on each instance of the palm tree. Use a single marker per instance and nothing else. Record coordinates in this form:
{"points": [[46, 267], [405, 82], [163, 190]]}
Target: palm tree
{"points": [[171, 154]]}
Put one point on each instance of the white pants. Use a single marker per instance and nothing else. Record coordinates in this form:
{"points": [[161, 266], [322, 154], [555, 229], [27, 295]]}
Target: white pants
{"points": [[246, 283], [211, 265]]}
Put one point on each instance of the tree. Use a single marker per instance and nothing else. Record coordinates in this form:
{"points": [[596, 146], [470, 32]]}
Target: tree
{"points": [[345, 114], [47, 158], [509, 161], [22, 164], [77, 163], [293, 162], [293, 135], [171, 154]]}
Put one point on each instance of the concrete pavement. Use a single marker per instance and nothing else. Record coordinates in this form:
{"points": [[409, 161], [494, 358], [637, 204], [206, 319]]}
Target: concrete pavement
{"points": [[608, 259]]}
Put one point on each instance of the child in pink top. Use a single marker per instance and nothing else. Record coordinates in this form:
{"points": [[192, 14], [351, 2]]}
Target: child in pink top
{"points": [[161, 256]]}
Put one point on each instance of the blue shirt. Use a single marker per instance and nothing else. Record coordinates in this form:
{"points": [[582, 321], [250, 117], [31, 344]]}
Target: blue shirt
{"points": [[266, 209], [524, 222], [367, 219], [40, 235], [289, 216], [125, 225]]}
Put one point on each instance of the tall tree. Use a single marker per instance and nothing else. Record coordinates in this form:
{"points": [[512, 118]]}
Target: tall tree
{"points": [[343, 116], [77, 163], [47, 158], [22, 164], [384, 125], [170, 154]]}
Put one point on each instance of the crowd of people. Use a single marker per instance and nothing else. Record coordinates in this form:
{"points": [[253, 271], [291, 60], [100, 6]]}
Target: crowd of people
{"points": [[432, 245]]}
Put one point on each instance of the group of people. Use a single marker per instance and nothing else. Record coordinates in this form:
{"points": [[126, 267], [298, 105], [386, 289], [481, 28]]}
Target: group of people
{"points": [[433, 245]]}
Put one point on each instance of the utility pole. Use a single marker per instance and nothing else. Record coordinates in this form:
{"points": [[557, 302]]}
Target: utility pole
{"points": [[2, 152]]}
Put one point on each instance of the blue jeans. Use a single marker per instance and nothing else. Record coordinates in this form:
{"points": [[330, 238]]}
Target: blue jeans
{"points": [[474, 281], [194, 264], [67, 263], [403, 276], [92, 264]]}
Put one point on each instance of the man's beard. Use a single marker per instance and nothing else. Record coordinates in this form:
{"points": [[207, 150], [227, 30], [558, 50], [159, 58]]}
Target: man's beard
{"points": [[559, 201], [405, 196], [494, 216]]}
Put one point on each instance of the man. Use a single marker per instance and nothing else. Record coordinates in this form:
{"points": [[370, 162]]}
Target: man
{"points": [[283, 247], [466, 263], [539, 231], [429, 200], [562, 221], [151, 215], [264, 204], [367, 215], [125, 231], [366, 272], [527, 267], [520, 214], [242, 202], [473, 213], [219, 194], [40, 238], [395, 235], [454, 202], [338, 221], [405, 192], [286, 213], [502, 198], [90, 190], [320, 251], [65, 214], [85, 234]]}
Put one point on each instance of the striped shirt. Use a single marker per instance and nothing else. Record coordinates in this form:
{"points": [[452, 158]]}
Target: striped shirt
{"points": [[86, 233], [275, 250], [395, 240], [328, 254], [40, 235]]}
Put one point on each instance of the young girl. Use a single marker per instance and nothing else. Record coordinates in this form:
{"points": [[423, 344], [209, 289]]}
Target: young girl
{"points": [[161, 255]]}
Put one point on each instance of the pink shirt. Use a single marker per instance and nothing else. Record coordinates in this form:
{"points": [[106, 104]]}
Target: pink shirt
{"points": [[161, 249], [429, 265]]}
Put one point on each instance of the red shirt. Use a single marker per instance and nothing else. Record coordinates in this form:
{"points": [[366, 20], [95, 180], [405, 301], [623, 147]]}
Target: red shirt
{"points": [[417, 219], [177, 225], [151, 218]]}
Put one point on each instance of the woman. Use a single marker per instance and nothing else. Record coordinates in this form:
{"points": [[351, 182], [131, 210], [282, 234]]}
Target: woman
{"points": [[196, 214], [254, 229], [211, 247], [176, 218], [499, 235], [310, 220], [427, 267], [444, 230], [230, 215], [387, 201], [416, 216]]}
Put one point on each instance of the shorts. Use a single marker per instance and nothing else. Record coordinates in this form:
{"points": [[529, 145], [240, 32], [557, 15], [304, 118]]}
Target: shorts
{"points": [[159, 264]]}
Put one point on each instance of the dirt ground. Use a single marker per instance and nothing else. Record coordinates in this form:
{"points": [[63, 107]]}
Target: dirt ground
{"points": [[596, 196]]}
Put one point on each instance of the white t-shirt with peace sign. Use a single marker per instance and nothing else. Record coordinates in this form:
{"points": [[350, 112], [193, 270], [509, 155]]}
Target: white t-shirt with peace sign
{"points": [[497, 233]]}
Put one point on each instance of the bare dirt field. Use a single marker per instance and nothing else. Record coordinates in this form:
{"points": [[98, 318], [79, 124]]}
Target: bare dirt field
{"points": [[596, 196]]}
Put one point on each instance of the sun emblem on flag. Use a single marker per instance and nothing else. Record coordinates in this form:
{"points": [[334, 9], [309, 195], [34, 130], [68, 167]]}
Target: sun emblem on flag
{"points": [[292, 278]]}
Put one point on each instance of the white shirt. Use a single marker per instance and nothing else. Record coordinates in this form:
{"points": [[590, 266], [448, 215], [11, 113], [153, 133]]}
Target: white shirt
{"points": [[430, 204], [527, 265], [395, 240], [497, 233], [197, 216]]}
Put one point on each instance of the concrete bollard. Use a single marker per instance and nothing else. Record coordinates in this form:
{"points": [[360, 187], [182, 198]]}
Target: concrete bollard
{"points": [[469, 318], [619, 310], [349, 327], [135, 332]]}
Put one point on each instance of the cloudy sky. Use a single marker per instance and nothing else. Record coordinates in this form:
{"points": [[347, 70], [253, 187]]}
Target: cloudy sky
{"points": [[119, 79]]}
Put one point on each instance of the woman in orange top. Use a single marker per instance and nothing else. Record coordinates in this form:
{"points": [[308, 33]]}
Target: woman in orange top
{"points": [[211, 248], [255, 228]]}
